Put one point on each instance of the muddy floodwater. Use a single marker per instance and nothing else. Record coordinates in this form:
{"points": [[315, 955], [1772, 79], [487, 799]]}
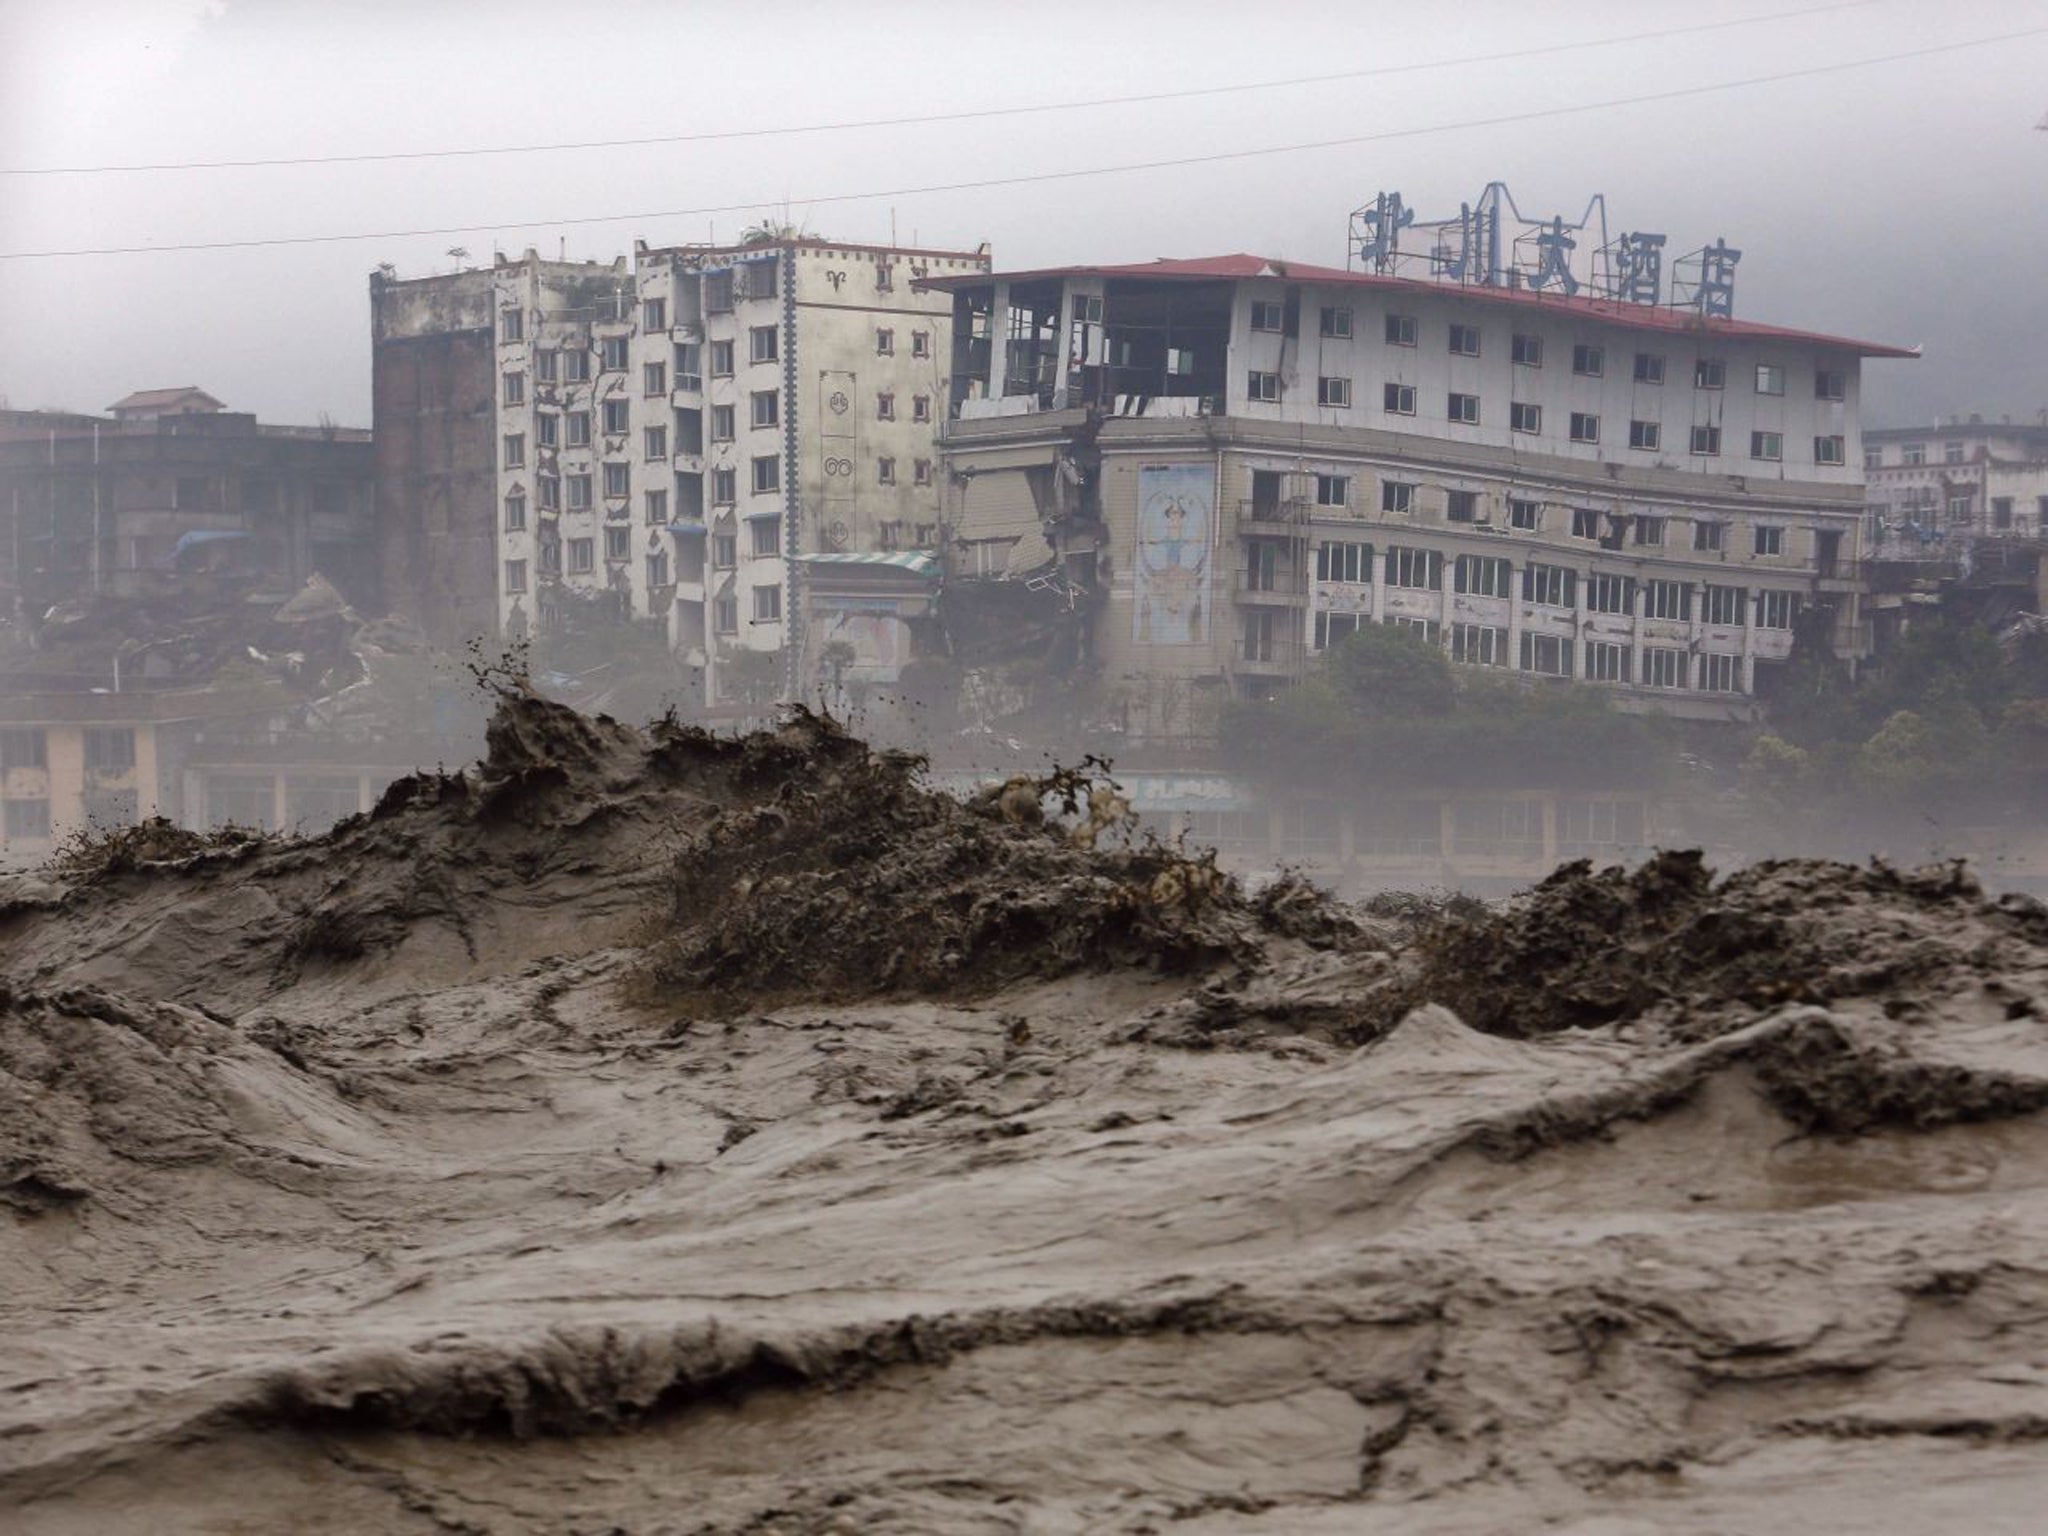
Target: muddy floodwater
{"points": [[644, 1133]]}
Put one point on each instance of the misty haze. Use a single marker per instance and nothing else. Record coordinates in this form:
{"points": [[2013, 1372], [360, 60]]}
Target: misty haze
{"points": [[1027, 770]]}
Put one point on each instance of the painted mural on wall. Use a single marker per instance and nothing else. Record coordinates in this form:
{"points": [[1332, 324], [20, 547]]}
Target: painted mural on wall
{"points": [[1175, 506]]}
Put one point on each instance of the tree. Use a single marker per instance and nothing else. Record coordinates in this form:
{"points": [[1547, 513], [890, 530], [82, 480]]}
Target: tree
{"points": [[1388, 671]]}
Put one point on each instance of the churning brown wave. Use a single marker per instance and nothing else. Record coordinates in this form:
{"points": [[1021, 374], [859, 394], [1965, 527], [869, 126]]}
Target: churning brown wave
{"points": [[646, 1133]]}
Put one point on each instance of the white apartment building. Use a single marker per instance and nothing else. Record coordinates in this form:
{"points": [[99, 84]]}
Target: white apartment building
{"points": [[671, 440], [1245, 459], [1934, 489]]}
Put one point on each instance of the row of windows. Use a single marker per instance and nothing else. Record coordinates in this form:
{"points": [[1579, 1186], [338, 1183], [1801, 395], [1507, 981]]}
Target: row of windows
{"points": [[1557, 586], [767, 477], [1485, 645], [1462, 506], [1583, 426], [1588, 361], [764, 411]]}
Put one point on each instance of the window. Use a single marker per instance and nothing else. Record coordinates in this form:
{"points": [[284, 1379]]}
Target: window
{"points": [[1550, 655], [921, 472], [577, 428], [767, 474], [1646, 435], [1585, 428], [1767, 445], [1333, 490], [582, 556], [1267, 315], [655, 505], [1427, 630], [725, 616], [765, 408], [1463, 408], [657, 568], [1873, 458], [1606, 662], [1464, 340], [1650, 531], [1709, 373], [885, 343], [1913, 454], [1769, 541], [724, 487], [110, 749], [1397, 496], [546, 366], [1607, 593], [1479, 645], [1262, 386], [766, 536], [1830, 384], [654, 378], [1649, 367], [1710, 538], [1589, 362], [1523, 417], [1344, 562], [725, 551], [549, 490], [614, 350], [1336, 322], [511, 325], [550, 556], [618, 543], [721, 359], [920, 343], [515, 575], [618, 418], [1261, 636], [547, 429], [515, 450], [1776, 610], [1722, 605], [722, 424], [762, 344], [515, 389], [885, 276], [718, 292], [1770, 379], [1480, 576], [1335, 393], [1399, 399], [1330, 629], [1830, 450], [1415, 568], [1461, 506], [654, 443], [1401, 330], [515, 511], [579, 493], [885, 406], [920, 407], [767, 603], [1663, 667], [1667, 600], [618, 481], [1528, 350], [885, 470], [1525, 515], [576, 367], [2001, 511], [1585, 523], [1706, 441], [654, 315], [1721, 674], [1553, 586]]}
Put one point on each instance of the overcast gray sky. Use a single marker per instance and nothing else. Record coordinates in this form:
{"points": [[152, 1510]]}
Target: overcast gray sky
{"points": [[1902, 202]]}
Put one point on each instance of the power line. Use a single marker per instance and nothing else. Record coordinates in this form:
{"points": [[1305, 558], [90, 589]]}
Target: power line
{"points": [[1040, 177], [969, 115]]}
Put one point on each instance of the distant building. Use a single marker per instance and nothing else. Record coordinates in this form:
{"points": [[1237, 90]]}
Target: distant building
{"points": [[660, 442], [171, 487], [1226, 465]]}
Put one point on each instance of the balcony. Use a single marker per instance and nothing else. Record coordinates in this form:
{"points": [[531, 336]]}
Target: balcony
{"points": [[1288, 519], [1283, 589]]}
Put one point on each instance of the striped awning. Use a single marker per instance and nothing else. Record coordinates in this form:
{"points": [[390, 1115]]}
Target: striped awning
{"points": [[915, 561]]}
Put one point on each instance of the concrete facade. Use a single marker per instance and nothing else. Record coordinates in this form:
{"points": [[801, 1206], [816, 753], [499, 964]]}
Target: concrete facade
{"points": [[1578, 488]]}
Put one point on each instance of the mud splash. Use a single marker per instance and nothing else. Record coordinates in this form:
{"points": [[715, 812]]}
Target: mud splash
{"points": [[648, 1132]]}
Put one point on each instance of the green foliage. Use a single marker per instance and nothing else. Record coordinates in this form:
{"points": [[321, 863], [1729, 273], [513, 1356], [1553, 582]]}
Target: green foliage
{"points": [[1388, 672]]}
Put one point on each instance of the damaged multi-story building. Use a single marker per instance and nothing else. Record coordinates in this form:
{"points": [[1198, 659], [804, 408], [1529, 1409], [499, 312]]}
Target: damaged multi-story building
{"points": [[1202, 473], [673, 442]]}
